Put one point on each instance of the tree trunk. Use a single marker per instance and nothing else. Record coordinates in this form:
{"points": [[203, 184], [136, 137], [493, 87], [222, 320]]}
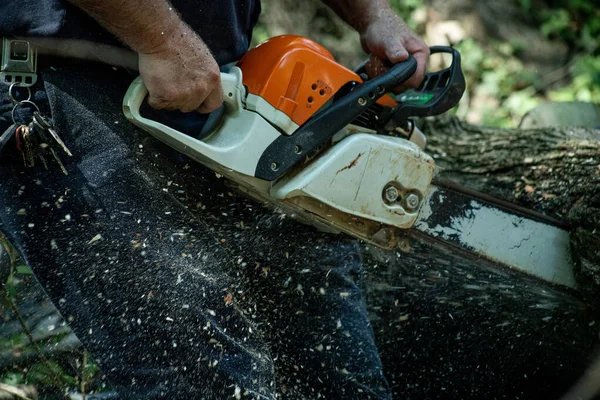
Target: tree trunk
{"points": [[554, 170]]}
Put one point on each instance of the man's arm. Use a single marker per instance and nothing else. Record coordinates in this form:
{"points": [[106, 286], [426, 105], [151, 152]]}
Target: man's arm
{"points": [[383, 33], [175, 64]]}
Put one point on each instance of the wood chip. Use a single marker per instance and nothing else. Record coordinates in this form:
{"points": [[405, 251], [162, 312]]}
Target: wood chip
{"points": [[95, 239]]}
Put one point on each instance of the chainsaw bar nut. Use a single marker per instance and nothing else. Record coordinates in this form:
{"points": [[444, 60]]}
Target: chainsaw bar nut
{"points": [[391, 194], [412, 202]]}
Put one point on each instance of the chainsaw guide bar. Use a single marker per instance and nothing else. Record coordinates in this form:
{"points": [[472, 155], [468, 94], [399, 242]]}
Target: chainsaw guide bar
{"points": [[318, 142]]}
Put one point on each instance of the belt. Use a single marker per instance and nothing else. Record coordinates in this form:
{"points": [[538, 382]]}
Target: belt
{"points": [[22, 57], [84, 50]]}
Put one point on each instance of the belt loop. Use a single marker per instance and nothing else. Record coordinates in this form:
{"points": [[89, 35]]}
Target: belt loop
{"points": [[18, 64]]}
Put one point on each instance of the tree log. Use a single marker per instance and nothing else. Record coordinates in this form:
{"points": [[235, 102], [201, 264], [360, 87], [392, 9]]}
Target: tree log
{"points": [[555, 171]]}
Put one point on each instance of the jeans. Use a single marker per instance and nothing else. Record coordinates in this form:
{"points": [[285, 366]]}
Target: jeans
{"points": [[178, 287]]}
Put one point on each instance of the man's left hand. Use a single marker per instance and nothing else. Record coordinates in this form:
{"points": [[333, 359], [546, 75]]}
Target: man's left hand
{"points": [[388, 38]]}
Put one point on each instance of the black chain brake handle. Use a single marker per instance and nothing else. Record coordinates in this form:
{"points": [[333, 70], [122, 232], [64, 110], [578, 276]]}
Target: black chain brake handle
{"points": [[348, 103], [439, 92]]}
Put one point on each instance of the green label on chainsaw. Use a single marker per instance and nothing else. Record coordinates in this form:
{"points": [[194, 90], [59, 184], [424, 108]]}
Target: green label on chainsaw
{"points": [[417, 98]]}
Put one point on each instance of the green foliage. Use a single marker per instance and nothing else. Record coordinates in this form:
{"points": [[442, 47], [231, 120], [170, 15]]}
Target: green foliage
{"points": [[44, 373], [494, 68], [23, 270], [261, 31], [574, 21], [406, 9], [12, 378], [557, 23], [56, 374], [586, 82], [495, 72]]}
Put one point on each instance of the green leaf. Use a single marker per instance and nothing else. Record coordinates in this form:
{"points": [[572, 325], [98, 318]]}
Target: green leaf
{"points": [[12, 378], [43, 373], [23, 270], [525, 5], [556, 22]]}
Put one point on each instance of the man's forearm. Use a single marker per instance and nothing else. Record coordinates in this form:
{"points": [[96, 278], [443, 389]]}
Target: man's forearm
{"points": [[175, 64], [360, 13], [143, 25]]}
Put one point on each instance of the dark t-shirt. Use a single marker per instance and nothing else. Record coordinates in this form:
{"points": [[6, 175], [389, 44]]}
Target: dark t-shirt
{"points": [[225, 25]]}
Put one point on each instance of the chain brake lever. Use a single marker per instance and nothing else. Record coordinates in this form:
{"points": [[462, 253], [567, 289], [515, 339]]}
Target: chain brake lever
{"points": [[439, 92]]}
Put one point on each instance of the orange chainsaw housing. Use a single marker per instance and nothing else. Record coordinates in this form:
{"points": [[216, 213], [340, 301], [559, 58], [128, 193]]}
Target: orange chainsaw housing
{"points": [[296, 76]]}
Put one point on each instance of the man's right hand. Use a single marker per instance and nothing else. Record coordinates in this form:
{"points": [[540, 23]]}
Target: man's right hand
{"points": [[175, 64], [181, 74]]}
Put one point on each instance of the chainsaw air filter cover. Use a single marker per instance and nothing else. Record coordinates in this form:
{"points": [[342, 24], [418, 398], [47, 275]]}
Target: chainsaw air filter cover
{"points": [[296, 76]]}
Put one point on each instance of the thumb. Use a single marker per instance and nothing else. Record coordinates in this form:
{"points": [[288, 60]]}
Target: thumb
{"points": [[395, 52], [156, 103]]}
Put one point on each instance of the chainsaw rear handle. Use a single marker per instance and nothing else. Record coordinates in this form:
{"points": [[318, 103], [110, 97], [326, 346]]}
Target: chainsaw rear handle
{"points": [[238, 141], [439, 92], [349, 102], [231, 96]]}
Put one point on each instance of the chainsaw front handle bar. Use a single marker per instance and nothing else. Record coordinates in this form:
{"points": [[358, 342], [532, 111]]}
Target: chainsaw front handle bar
{"points": [[439, 92], [347, 104]]}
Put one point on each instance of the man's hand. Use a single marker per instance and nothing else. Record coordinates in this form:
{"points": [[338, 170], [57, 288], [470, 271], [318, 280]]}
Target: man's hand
{"points": [[175, 64], [389, 38], [182, 75], [384, 35]]}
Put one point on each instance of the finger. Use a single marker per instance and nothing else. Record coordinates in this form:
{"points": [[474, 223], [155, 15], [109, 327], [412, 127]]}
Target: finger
{"points": [[196, 98], [190, 106], [160, 104], [395, 52], [155, 103], [416, 80], [212, 102]]}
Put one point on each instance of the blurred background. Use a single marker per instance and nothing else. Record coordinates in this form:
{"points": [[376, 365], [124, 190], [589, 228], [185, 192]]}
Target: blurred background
{"points": [[517, 54]]}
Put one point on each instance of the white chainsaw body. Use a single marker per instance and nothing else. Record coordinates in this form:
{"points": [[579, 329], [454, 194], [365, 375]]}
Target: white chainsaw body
{"points": [[341, 189]]}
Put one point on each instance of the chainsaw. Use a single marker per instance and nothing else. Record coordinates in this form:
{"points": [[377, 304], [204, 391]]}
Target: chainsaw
{"points": [[331, 147]]}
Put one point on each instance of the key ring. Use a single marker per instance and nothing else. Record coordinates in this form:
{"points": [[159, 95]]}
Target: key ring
{"points": [[21, 103], [13, 98]]}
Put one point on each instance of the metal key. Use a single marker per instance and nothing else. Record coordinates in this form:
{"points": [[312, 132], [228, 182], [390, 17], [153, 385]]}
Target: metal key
{"points": [[42, 146], [20, 143], [43, 124], [58, 160], [45, 147], [19, 138], [43, 160], [28, 148]]}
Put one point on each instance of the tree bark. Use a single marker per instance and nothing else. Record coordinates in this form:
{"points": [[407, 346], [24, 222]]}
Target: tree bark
{"points": [[553, 170]]}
